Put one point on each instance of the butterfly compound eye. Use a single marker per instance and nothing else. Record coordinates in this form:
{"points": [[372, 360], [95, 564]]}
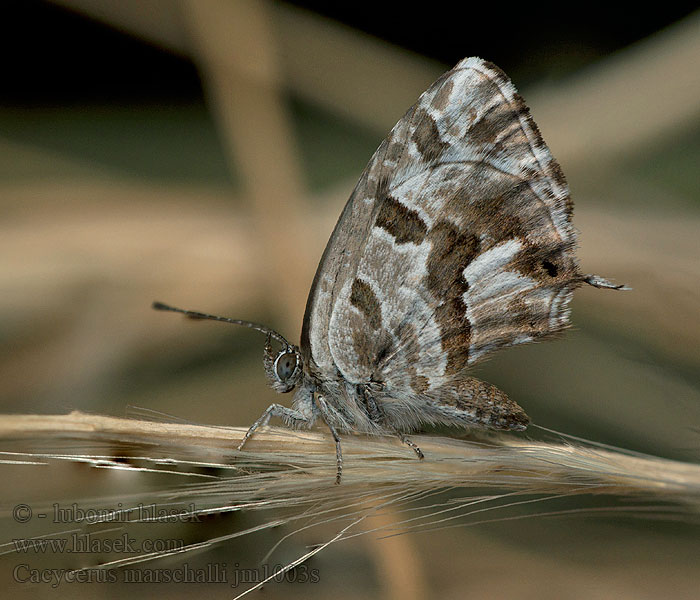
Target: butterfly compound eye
{"points": [[283, 368], [285, 365]]}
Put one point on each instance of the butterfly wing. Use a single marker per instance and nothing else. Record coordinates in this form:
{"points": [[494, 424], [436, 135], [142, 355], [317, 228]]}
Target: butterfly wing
{"points": [[457, 241]]}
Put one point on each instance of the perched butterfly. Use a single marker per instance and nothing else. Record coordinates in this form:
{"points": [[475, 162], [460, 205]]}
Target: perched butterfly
{"points": [[456, 241]]}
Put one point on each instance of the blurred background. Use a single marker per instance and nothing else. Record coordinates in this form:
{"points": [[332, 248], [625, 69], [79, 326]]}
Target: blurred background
{"points": [[200, 152]]}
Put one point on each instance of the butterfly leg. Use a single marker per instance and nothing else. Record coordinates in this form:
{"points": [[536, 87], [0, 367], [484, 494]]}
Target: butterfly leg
{"points": [[292, 418], [412, 445], [372, 408], [325, 413], [338, 454], [376, 416]]}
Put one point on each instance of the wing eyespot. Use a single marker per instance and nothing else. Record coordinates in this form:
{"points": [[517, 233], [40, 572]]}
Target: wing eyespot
{"points": [[550, 267]]}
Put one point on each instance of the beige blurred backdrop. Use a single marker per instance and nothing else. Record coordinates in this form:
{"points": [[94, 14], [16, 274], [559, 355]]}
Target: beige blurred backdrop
{"points": [[294, 105]]}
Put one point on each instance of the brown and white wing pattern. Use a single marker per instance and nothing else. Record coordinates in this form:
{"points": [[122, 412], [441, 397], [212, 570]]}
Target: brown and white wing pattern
{"points": [[457, 241]]}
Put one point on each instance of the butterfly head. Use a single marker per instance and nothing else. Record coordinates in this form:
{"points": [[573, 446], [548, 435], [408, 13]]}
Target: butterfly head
{"points": [[283, 367]]}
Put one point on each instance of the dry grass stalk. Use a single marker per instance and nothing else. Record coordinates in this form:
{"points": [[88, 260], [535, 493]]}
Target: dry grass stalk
{"points": [[290, 474], [304, 462]]}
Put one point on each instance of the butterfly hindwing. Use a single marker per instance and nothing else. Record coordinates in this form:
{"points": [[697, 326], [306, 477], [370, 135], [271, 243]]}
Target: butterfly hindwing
{"points": [[457, 241]]}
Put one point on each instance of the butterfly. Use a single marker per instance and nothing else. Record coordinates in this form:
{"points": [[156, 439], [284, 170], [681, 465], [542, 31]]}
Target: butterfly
{"points": [[456, 241]]}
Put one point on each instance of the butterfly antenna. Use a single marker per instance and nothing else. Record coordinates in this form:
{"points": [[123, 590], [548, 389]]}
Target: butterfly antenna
{"points": [[192, 314]]}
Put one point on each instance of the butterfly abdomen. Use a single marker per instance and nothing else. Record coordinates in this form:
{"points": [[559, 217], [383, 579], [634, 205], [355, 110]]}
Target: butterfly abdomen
{"points": [[472, 402]]}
